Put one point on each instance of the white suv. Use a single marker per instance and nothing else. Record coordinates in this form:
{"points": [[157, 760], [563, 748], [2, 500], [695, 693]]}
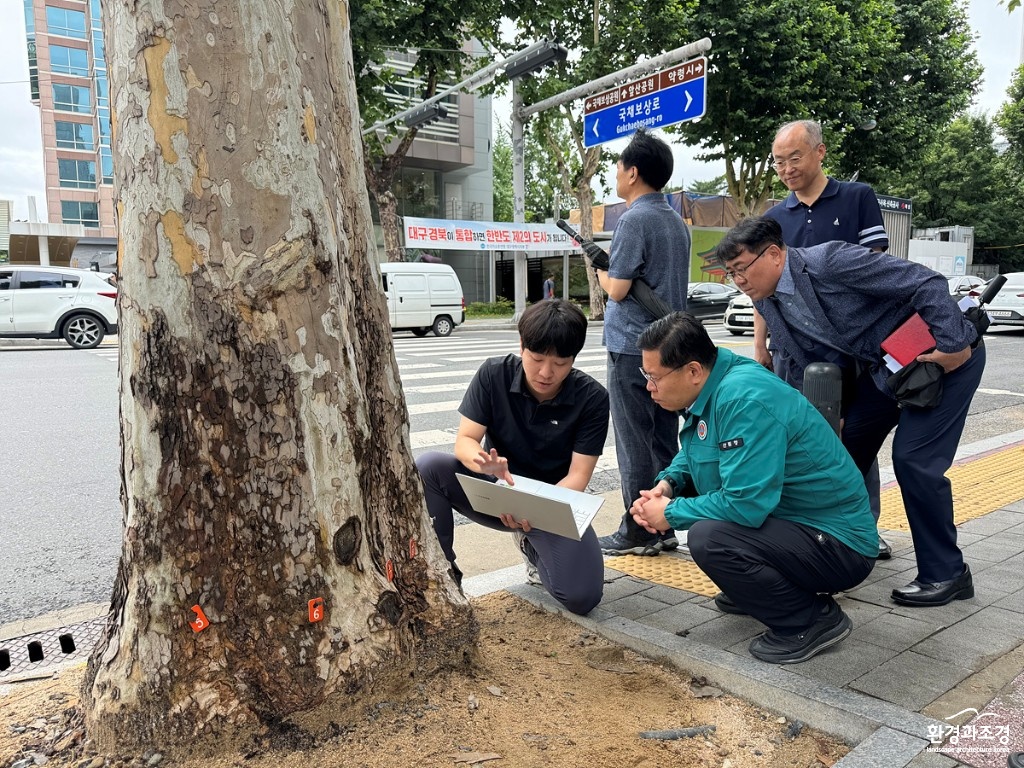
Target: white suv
{"points": [[77, 305], [739, 316]]}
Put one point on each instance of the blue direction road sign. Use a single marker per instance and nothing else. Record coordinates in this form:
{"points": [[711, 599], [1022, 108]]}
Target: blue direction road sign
{"points": [[659, 100]]}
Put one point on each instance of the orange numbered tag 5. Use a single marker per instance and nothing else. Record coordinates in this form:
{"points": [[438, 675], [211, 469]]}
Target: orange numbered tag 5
{"points": [[390, 568], [412, 548], [316, 609], [201, 622]]}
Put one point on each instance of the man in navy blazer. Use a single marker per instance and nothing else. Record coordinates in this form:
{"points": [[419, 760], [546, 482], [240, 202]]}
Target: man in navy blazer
{"points": [[838, 302]]}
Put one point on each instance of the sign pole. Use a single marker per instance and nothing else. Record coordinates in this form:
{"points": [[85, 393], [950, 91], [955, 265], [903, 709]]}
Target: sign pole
{"points": [[518, 197], [520, 113]]}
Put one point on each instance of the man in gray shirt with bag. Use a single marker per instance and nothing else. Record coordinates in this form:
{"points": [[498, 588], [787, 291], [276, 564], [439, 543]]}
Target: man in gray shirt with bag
{"points": [[651, 243]]}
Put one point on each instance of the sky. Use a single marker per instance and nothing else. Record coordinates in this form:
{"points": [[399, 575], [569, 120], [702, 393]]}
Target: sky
{"points": [[21, 174]]}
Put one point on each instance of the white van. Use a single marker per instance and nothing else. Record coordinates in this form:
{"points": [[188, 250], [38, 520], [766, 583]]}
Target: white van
{"points": [[423, 297]]}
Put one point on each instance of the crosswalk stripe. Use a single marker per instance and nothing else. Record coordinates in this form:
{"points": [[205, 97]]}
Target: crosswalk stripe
{"points": [[416, 366], [441, 406], [468, 373], [431, 437], [581, 358]]}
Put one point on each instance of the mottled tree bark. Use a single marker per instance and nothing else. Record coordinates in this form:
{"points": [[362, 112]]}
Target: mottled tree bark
{"points": [[265, 445]]}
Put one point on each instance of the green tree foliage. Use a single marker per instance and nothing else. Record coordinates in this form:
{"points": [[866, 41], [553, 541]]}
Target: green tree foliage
{"points": [[929, 78], [715, 186], [501, 163], [962, 180], [1010, 120], [433, 34], [908, 66]]}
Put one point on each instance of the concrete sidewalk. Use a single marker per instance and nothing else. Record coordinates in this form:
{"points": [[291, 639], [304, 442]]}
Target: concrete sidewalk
{"points": [[906, 682]]}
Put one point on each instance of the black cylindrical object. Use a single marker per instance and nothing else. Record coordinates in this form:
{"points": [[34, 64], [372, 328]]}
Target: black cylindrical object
{"points": [[823, 386]]}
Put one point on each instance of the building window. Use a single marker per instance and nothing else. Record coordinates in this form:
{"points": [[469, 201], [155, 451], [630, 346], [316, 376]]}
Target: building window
{"points": [[419, 193], [33, 69], [86, 214], [64, 22], [77, 174], [103, 115], [69, 61], [71, 98], [107, 165], [102, 92], [74, 136], [30, 18]]}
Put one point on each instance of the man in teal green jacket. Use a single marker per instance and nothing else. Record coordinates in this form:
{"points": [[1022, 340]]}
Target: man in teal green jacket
{"points": [[775, 507]]}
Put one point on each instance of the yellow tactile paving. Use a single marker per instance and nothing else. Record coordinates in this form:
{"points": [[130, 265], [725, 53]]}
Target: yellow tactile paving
{"points": [[666, 570], [980, 486]]}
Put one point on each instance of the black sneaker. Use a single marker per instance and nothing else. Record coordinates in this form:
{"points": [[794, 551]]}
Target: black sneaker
{"points": [[668, 541], [617, 544], [831, 627]]}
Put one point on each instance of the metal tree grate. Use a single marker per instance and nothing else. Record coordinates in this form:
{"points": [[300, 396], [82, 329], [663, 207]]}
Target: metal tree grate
{"points": [[48, 651]]}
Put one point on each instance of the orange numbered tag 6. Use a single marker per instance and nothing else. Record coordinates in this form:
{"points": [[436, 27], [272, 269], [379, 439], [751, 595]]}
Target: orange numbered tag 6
{"points": [[412, 548], [201, 622], [389, 567], [316, 609]]}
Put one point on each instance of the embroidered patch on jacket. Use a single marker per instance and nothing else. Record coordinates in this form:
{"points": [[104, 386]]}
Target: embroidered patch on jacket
{"points": [[725, 445], [702, 429]]}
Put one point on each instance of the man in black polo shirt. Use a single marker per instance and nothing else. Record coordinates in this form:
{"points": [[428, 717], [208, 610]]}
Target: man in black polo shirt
{"points": [[820, 209], [532, 415]]}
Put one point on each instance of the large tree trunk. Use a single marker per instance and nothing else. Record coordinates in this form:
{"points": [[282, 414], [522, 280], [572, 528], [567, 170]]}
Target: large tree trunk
{"points": [[265, 447], [387, 205], [380, 180]]}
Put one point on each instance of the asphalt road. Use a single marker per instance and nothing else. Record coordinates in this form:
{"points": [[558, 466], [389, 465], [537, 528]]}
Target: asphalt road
{"points": [[60, 514]]}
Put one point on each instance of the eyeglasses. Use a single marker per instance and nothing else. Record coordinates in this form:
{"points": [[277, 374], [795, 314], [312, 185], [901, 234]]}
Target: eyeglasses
{"points": [[655, 379], [778, 165], [732, 274]]}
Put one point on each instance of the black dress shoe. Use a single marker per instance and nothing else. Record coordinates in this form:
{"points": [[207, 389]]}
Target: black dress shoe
{"points": [[1015, 760], [938, 593], [884, 550], [726, 605]]}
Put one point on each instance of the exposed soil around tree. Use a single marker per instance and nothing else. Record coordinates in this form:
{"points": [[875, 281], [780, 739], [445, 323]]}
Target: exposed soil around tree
{"points": [[543, 693]]}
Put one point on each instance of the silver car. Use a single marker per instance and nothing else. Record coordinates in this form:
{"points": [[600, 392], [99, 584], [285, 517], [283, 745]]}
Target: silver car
{"points": [[77, 305], [1007, 308], [964, 284]]}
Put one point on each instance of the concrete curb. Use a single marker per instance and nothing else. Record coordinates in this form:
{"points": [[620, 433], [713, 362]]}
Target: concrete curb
{"points": [[54, 620]]}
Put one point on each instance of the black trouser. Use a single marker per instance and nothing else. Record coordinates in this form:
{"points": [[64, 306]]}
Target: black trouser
{"points": [[922, 450], [571, 571], [779, 573]]}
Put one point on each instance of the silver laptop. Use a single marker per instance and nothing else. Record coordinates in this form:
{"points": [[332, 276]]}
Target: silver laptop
{"points": [[548, 507]]}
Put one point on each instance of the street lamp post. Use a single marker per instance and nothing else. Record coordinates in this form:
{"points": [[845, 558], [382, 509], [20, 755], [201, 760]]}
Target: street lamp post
{"points": [[520, 64], [518, 197]]}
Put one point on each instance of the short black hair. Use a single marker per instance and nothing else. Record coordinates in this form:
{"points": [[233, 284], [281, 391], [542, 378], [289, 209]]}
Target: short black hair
{"points": [[554, 326], [679, 339], [754, 234], [651, 157]]}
